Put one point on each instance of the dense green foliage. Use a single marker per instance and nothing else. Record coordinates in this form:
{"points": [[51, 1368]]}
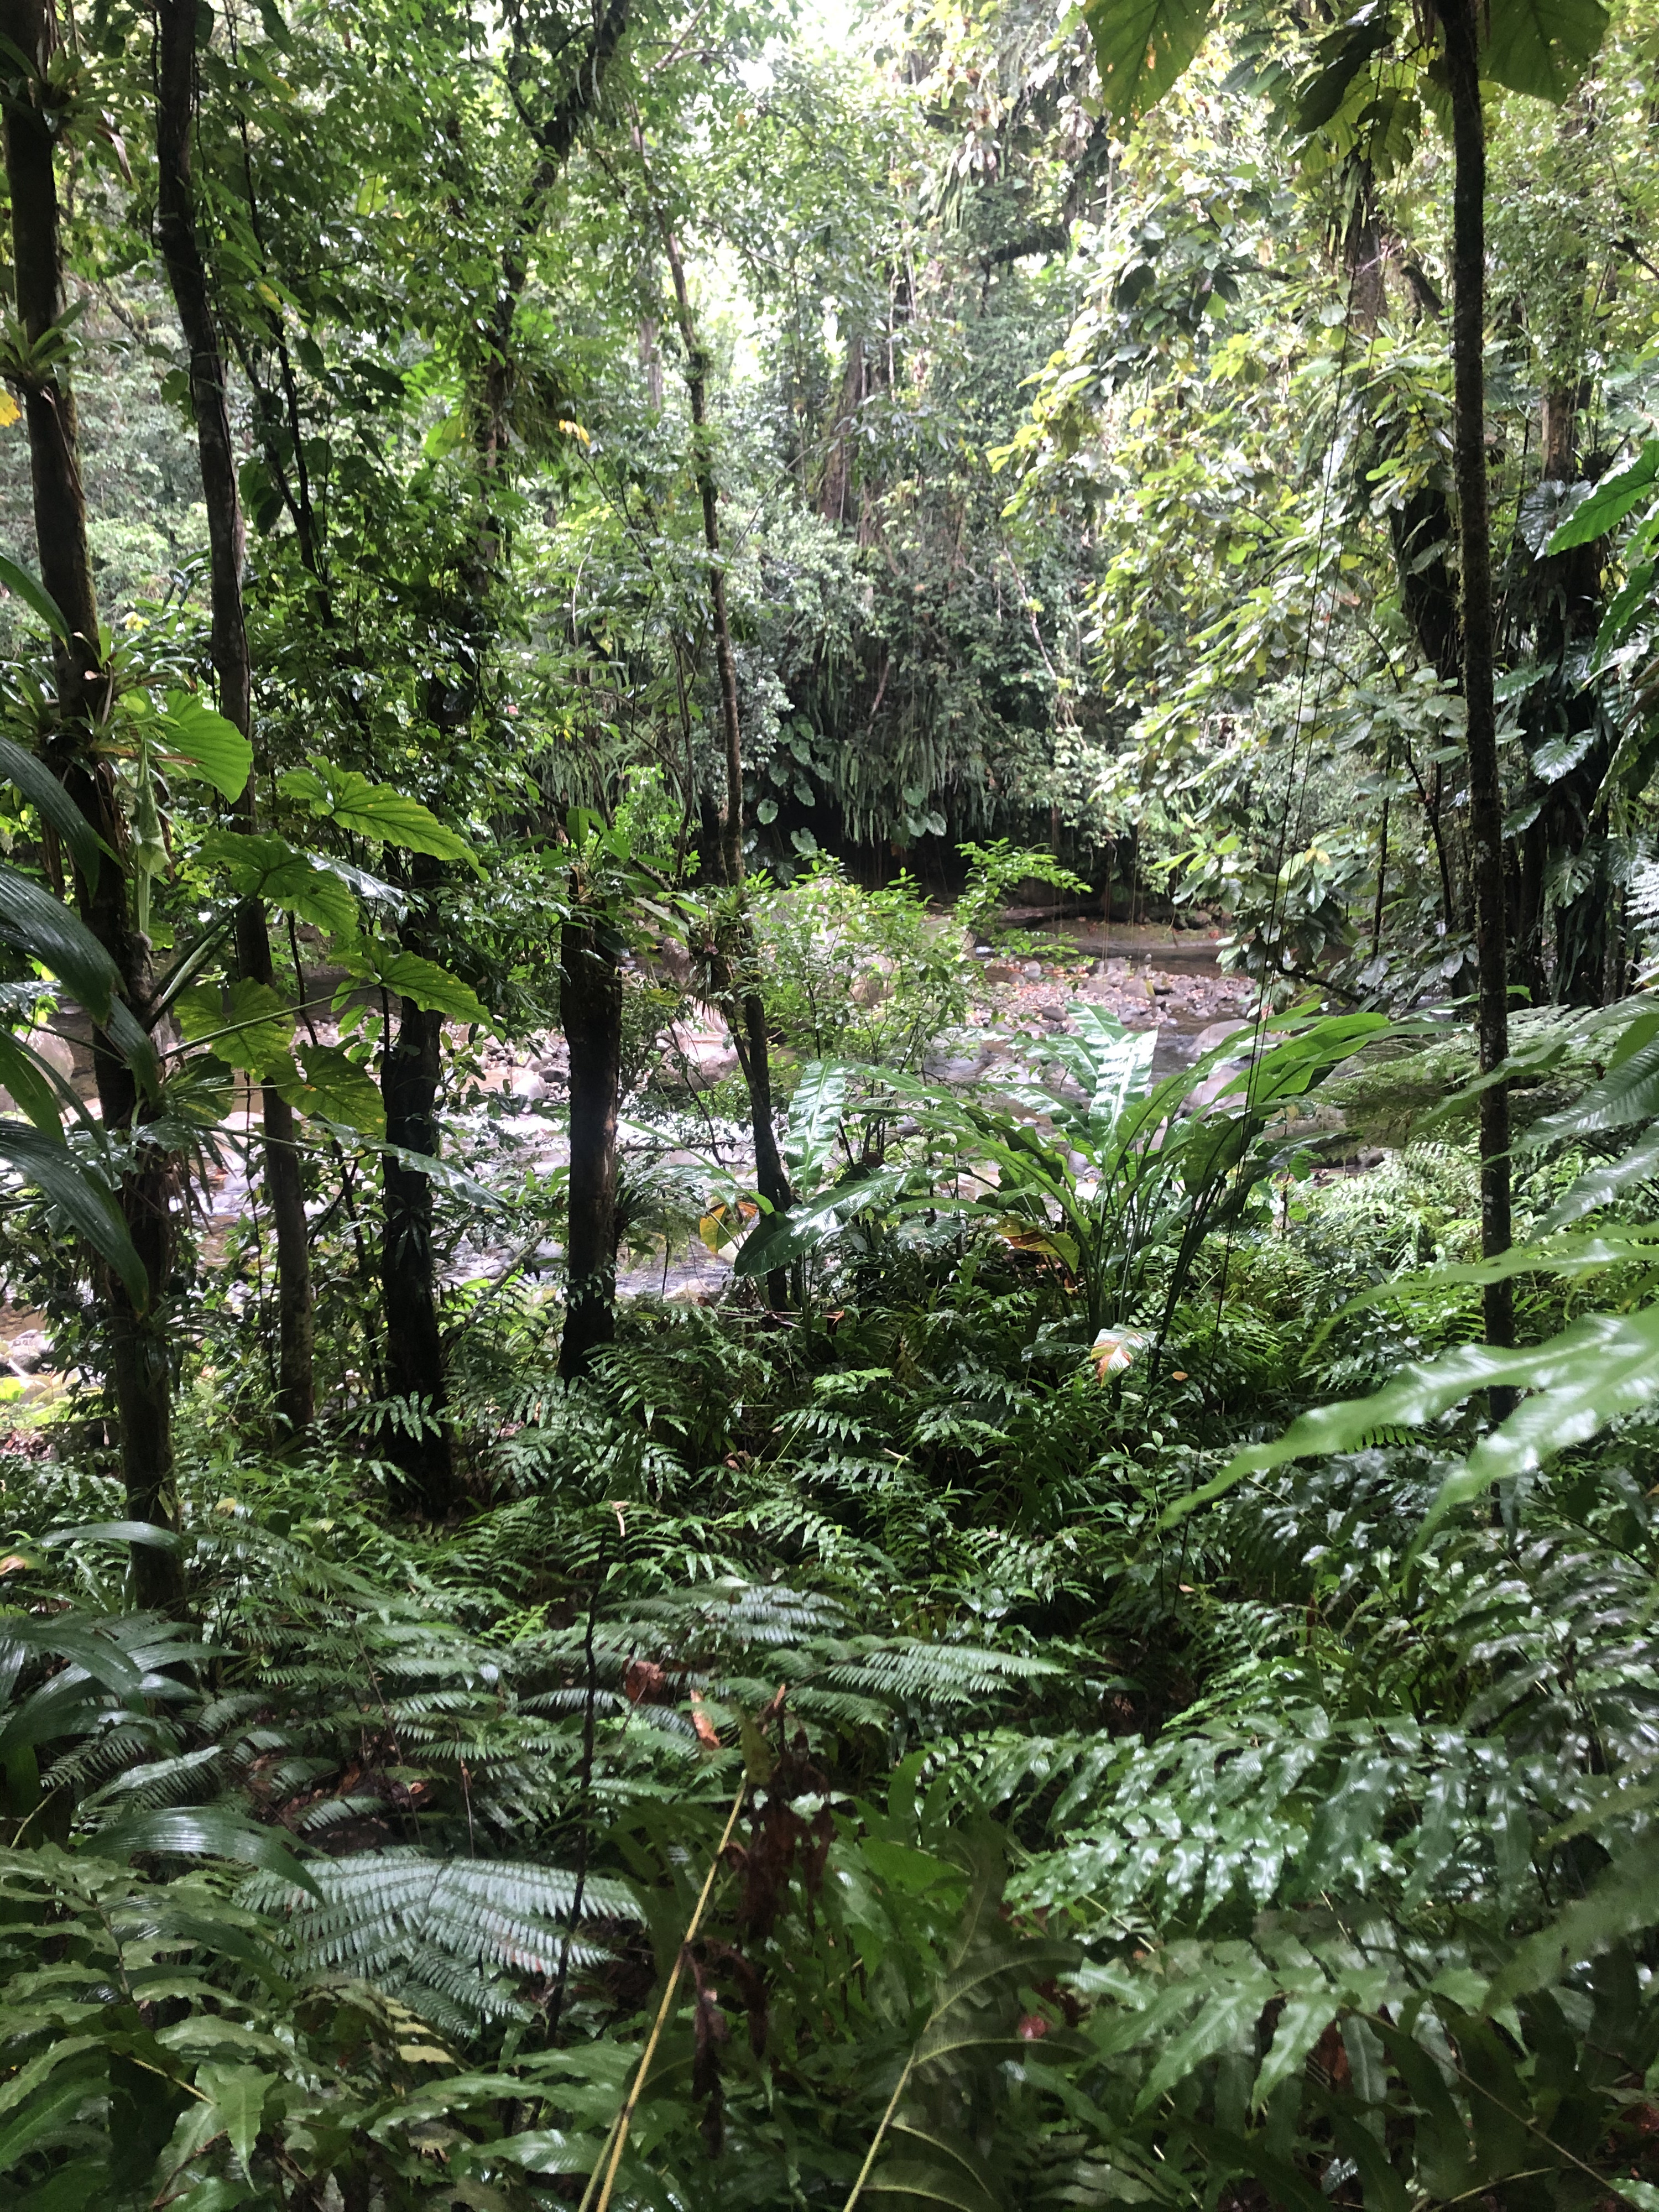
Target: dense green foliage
{"points": [[696, 1530]]}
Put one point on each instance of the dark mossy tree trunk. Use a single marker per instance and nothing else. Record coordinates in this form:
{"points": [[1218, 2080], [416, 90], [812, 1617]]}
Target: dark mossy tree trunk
{"points": [[140, 1371], [177, 235], [417, 1446], [590, 1012], [745, 1006], [1462, 20]]}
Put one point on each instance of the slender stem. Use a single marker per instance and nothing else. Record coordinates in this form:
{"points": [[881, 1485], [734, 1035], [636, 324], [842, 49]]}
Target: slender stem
{"points": [[876, 2140], [625, 2117]]}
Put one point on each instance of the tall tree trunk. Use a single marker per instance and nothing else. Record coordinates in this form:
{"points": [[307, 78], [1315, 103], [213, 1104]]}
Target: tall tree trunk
{"points": [[420, 1449], [590, 1011], [1462, 20], [175, 107], [139, 1368], [746, 1009]]}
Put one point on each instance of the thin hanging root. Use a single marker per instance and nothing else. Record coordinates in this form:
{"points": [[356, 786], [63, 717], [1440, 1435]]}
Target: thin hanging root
{"points": [[616, 2140]]}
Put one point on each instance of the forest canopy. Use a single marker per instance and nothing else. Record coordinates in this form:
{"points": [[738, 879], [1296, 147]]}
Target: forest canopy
{"points": [[828, 898]]}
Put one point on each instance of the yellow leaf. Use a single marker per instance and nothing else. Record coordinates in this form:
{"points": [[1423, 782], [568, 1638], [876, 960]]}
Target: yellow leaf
{"points": [[8, 411], [575, 430]]}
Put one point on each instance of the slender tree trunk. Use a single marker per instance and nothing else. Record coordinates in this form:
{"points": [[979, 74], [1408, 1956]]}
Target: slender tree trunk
{"points": [[590, 1012], [1462, 20], [746, 1011], [410, 1069], [139, 1368], [175, 108]]}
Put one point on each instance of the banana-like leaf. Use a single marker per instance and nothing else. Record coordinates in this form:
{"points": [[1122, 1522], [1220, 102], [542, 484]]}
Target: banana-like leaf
{"points": [[35, 1086], [1599, 1186], [204, 1831], [43, 928], [1555, 1255], [1612, 500], [53, 803], [815, 1114], [1600, 1370], [1628, 1092], [1619, 1902], [35, 597], [117, 1532], [84, 1202], [778, 1239]]}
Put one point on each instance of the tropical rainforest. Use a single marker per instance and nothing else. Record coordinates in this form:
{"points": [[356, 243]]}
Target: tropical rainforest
{"points": [[829, 1166]]}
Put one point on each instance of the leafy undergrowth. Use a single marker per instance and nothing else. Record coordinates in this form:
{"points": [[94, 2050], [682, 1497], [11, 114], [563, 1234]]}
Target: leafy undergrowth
{"points": [[1003, 1834]]}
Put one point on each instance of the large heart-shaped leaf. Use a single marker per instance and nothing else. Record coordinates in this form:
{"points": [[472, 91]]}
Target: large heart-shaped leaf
{"points": [[1542, 47], [1142, 47], [206, 744]]}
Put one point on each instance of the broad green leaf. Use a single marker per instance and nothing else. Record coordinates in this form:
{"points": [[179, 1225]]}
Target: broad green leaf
{"points": [[372, 810], [204, 1832], [1599, 1186], [237, 2095], [433, 988], [250, 1028], [75, 1193], [928, 2181], [330, 1084], [49, 2117], [1384, 2188], [1342, 56], [41, 927], [267, 867], [1284, 2182], [1226, 2020], [1445, 2165], [815, 1113], [35, 1087], [777, 1239], [36, 783], [1610, 503], [407, 975], [1542, 47], [35, 597], [22, 2085], [206, 744], [1142, 47]]}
